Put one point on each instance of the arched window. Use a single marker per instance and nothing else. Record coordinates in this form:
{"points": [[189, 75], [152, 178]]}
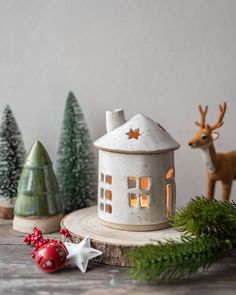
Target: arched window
{"points": [[170, 191], [170, 173]]}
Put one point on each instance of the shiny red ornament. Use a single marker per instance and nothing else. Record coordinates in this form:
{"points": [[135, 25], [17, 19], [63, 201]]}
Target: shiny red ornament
{"points": [[51, 256]]}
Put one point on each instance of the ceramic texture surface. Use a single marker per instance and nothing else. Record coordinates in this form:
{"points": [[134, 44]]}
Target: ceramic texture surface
{"points": [[153, 137], [123, 166], [136, 184], [38, 193]]}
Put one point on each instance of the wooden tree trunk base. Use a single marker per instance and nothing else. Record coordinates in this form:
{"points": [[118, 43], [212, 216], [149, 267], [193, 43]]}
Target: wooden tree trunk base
{"points": [[6, 212], [6, 208], [113, 243], [45, 224]]}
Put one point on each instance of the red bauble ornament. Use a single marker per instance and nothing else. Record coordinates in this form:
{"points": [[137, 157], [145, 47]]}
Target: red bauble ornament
{"points": [[51, 256]]}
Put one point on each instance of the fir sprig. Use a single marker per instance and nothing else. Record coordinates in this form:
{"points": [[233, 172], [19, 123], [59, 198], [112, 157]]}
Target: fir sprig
{"points": [[209, 217], [209, 234], [174, 260]]}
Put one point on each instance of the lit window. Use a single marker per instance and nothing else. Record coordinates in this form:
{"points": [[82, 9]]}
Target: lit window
{"points": [[139, 189], [102, 206], [105, 192], [108, 208], [145, 183], [108, 195], [108, 179], [132, 182], [170, 173], [134, 199], [144, 201], [169, 201]]}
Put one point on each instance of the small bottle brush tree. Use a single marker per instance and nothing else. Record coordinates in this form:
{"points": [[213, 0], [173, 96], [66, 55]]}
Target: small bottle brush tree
{"points": [[75, 166], [38, 201], [12, 155]]}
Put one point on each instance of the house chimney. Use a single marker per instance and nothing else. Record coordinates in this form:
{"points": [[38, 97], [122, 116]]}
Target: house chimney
{"points": [[114, 119]]}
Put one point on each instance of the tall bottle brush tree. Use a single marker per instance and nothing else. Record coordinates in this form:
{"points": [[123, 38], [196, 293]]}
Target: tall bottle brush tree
{"points": [[12, 155], [75, 167]]}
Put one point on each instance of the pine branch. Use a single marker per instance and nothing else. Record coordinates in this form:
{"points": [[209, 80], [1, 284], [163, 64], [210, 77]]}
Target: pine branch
{"points": [[209, 234], [176, 260], [209, 217]]}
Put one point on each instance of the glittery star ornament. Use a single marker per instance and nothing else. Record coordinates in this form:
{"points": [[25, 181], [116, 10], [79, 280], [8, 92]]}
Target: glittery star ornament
{"points": [[80, 254]]}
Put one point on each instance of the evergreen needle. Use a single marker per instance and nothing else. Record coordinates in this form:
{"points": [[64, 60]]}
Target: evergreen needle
{"points": [[209, 234]]}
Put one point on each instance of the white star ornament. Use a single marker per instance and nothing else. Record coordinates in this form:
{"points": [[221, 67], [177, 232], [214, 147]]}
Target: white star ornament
{"points": [[80, 254]]}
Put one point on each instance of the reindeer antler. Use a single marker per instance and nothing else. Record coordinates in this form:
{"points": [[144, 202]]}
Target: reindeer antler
{"points": [[203, 113], [219, 122]]}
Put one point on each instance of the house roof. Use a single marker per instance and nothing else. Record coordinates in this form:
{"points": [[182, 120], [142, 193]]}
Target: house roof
{"points": [[139, 134]]}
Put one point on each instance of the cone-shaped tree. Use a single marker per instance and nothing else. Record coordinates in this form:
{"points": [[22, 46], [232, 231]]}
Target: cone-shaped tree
{"points": [[38, 193], [75, 166], [12, 155]]}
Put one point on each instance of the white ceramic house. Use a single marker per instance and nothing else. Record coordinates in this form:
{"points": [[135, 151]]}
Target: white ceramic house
{"points": [[136, 185]]}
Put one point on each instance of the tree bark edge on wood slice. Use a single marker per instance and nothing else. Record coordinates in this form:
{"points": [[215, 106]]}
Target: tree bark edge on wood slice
{"points": [[114, 243]]}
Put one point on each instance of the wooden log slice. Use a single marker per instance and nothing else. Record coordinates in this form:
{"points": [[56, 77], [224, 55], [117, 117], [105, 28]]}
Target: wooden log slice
{"points": [[113, 243]]}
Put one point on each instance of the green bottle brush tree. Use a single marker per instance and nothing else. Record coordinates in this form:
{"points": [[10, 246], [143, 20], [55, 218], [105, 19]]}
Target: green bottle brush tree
{"points": [[12, 155], [209, 234], [75, 166]]}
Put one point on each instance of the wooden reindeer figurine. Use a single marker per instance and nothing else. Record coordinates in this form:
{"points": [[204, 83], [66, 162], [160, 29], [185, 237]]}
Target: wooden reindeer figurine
{"points": [[220, 166]]}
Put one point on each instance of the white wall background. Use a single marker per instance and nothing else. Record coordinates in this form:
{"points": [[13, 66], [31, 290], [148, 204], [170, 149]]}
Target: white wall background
{"points": [[158, 57]]}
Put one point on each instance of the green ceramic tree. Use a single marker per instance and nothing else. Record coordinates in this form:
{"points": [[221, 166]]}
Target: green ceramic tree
{"points": [[38, 193], [75, 166], [12, 155]]}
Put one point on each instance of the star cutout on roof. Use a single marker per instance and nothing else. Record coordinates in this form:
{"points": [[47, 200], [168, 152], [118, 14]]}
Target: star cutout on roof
{"points": [[134, 134]]}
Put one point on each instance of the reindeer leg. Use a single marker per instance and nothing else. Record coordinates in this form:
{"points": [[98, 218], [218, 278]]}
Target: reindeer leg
{"points": [[210, 189], [226, 190]]}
